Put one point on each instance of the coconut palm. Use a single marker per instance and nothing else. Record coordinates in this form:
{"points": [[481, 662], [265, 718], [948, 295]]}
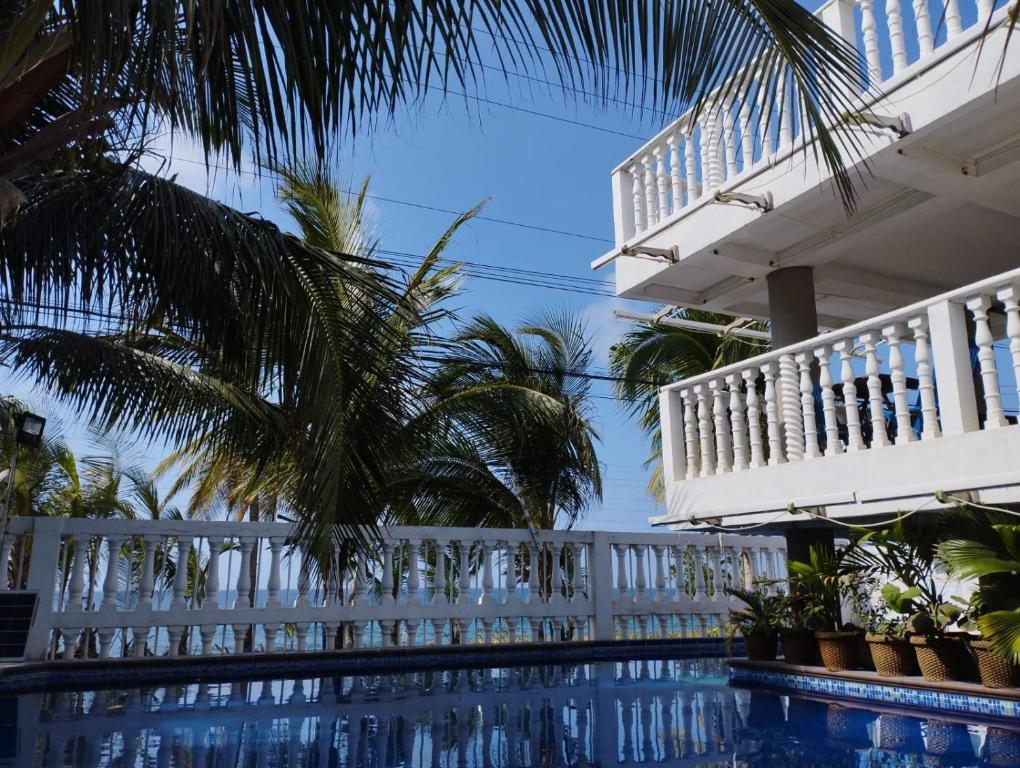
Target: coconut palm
{"points": [[511, 442], [649, 356], [93, 249]]}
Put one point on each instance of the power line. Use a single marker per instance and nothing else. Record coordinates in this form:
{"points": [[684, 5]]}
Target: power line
{"points": [[496, 267], [408, 203]]}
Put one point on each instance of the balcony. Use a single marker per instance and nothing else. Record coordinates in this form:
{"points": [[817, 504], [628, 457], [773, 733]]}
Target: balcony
{"points": [[870, 419], [945, 187]]}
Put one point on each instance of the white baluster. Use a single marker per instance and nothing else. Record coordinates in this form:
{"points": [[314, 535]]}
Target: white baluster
{"points": [[679, 555], [387, 574], [994, 417], [832, 444], [925, 383], [925, 39], [898, 375], [738, 426], [705, 430], [487, 572], [713, 151], [243, 589], [1010, 297], [807, 401], [622, 585], [985, 8], [662, 182], [699, 573], [147, 580], [112, 581], [690, 167], [951, 14], [534, 594], [557, 572], [746, 136], [640, 582], [76, 585], [651, 204], [894, 18], [876, 402], [717, 580], [855, 440], [765, 115], [273, 584], [440, 573], [785, 113], [413, 582], [750, 376], [772, 415], [660, 573], [179, 601], [637, 191], [731, 130], [722, 427], [212, 576], [869, 33], [576, 578], [691, 439], [675, 170]]}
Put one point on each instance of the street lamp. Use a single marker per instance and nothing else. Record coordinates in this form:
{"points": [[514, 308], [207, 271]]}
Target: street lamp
{"points": [[28, 432]]}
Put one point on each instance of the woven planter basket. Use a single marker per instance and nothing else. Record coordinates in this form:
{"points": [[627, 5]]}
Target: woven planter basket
{"points": [[897, 732], [995, 671], [839, 650], [938, 657], [760, 647], [943, 737], [1002, 747], [799, 646], [893, 656]]}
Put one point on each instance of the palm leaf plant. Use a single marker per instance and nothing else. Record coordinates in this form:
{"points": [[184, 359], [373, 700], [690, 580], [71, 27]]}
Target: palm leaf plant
{"points": [[758, 621], [652, 355], [992, 556]]}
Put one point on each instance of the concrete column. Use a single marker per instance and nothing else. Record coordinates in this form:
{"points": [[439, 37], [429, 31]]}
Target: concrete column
{"points": [[792, 309], [794, 318]]}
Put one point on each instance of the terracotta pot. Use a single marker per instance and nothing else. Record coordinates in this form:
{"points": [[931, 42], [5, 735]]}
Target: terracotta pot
{"points": [[839, 650], [938, 657], [761, 647], [893, 656], [799, 646], [995, 671]]}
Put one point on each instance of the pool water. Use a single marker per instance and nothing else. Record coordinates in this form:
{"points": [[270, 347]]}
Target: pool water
{"points": [[671, 713]]}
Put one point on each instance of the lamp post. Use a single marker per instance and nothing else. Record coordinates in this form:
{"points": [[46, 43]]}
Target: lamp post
{"points": [[28, 432]]}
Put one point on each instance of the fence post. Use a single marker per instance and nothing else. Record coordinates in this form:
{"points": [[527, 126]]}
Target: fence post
{"points": [[602, 587], [954, 374], [42, 579]]}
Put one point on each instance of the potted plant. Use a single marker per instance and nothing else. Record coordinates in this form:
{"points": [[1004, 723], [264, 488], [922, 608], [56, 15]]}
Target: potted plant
{"points": [[887, 632], [990, 552], [797, 632], [824, 582], [905, 553], [758, 622]]}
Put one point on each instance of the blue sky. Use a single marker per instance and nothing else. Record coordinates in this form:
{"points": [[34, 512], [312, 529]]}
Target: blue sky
{"points": [[452, 154]]}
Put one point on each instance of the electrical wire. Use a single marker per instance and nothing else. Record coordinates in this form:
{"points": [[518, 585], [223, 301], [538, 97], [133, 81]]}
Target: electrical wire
{"points": [[968, 502]]}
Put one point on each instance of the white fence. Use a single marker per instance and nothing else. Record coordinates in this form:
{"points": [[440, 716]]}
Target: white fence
{"points": [[902, 378], [115, 588], [690, 160]]}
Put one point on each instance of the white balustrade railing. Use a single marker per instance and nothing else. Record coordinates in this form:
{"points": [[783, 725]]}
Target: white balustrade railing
{"points": [[937, 368], [692, 158], [117, 588]]}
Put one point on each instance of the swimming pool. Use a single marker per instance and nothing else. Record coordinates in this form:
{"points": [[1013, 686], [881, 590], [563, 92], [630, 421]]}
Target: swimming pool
{"points": [[681, 712]]}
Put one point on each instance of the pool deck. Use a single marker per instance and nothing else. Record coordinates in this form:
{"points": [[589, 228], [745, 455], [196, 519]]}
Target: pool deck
{"points": [[90, 673], [909, 692]]}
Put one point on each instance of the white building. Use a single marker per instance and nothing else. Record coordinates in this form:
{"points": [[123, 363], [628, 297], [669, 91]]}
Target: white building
{"points": [[896, 331]]}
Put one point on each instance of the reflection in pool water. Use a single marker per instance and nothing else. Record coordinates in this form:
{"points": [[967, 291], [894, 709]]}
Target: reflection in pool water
{"points": [[675, 713]]}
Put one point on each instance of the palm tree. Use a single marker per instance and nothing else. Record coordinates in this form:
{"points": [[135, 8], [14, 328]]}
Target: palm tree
{"points": [[649, 356], [90, 242], [511, 442]]}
